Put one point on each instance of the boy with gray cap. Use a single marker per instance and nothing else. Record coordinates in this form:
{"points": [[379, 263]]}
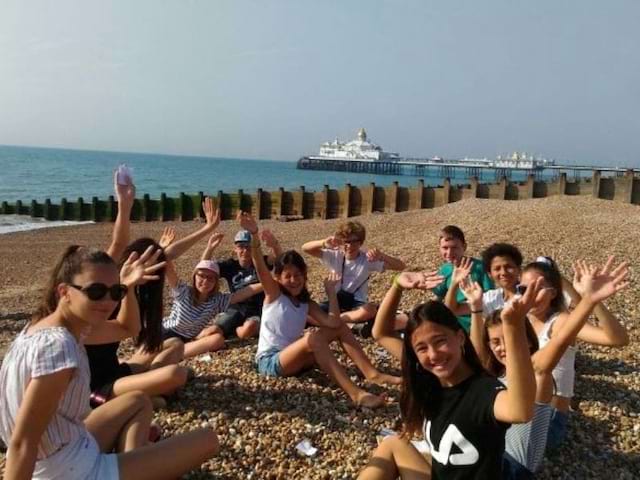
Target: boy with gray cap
{"points": [[243, 319]]}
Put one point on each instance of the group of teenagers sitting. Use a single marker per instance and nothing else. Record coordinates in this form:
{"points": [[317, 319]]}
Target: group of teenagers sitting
{"points": [[487, 369]]}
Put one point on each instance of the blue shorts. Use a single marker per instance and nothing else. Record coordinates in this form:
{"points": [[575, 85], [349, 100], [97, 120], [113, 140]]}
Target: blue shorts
{"points": [[557, 430], [269, 363]]}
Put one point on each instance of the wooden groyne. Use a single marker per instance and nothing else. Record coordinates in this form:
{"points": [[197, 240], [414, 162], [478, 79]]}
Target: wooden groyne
{"points": [[333, 203]]}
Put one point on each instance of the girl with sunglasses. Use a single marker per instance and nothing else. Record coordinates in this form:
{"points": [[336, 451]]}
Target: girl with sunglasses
{"points": [[525, 444], [549, 318], [446, 394], [283, 347], [45, 417], [153, 368], [196, 305]]}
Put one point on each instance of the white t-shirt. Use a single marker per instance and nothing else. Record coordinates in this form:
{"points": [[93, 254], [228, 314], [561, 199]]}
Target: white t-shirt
{"points": [[492, 300], [355, 273], [282, 323]]}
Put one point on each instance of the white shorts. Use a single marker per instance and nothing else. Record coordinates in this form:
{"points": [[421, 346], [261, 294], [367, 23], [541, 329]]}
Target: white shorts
{"points": [[80, 460]]}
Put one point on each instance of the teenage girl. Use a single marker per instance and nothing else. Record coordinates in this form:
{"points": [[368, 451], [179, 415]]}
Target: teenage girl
{"points": [[152, 369], [462, 412], [283, 350], [45, 417], [549, 317], [195, 305], [525, 443]]}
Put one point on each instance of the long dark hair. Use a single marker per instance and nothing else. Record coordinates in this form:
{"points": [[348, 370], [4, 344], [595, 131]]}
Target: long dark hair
{"points": [[493, 366], [70, 264], [546, 267], [293, 258], [421, 390], [149, 297]]}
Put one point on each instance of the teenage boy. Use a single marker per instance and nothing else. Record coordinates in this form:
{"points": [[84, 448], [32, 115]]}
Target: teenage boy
{"points": [[343, 254], [452, 248], [243, 319], [503, 263]]}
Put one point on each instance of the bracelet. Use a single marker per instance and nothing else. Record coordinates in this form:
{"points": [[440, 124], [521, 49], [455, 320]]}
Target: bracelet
{"points": [[394, 282]]}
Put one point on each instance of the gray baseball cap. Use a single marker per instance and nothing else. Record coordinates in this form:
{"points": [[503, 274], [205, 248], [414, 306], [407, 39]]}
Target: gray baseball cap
{"points": [[243, 236]]}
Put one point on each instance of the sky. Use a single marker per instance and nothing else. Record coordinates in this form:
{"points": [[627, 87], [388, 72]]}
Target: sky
{"points": [[272, 79]]}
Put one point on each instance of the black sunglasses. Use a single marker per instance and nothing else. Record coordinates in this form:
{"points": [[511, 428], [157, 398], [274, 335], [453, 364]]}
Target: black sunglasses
{"points": [[521, 289], [97, 291]]}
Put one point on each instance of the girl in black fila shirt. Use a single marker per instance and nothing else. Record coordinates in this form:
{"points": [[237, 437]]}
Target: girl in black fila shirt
{"points": [[447, 396]]}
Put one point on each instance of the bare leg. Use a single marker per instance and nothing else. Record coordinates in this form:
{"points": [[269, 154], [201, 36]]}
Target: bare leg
{"points": [[396, 457], [209, 343], [172, 353], [122, 423], [355, 352], [184, 452], [314, 346], [160, 381], [248, 329], [360, 314]]}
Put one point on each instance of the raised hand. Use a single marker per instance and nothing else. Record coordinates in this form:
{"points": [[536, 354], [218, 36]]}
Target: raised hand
{"points": [[141, 269], [419, 280], [211, 214], [599, 283], [167, 237], [331, 281], [332, 243], [214, 241], [461, 270], [374, 255], [517, 308], [247, 222], [472, 291], [269, 238], [125, 194]]}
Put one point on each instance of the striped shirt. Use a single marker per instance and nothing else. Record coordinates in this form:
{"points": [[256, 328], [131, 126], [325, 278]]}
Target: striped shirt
{"points": [[43, 352], [187, 319]]}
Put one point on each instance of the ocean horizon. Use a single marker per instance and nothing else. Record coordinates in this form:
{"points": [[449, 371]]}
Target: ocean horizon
{"points": [[38, 173]]}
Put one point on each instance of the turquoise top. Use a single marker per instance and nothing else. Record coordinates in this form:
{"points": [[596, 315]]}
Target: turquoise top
{"points": [[477, 275]]}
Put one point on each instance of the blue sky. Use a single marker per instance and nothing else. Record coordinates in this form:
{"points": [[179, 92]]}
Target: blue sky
{"points": [[273, 79]]}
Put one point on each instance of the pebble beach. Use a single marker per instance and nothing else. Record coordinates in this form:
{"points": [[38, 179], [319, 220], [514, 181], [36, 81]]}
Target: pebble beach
{"points": [[261, 420]]}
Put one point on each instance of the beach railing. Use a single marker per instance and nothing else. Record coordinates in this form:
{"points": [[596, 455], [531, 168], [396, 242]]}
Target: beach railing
{"points": [[332, 203]]}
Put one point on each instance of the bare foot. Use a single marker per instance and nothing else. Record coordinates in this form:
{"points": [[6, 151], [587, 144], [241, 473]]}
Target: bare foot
{"points": [[384, 379], [369, 400]]}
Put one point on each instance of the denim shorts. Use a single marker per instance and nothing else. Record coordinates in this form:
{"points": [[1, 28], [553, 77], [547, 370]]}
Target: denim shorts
{"points": [[269, 363], [557, 429]]}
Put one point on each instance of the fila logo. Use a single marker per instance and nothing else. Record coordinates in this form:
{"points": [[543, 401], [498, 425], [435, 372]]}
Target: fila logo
{"points": [[452, 436]]}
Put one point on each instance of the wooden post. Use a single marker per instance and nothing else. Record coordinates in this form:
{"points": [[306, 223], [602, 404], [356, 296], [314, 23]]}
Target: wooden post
{"points": [[503, 188], [183, 208], [240, 202], [64, 208], [369, 199], [596, 175], [346, 212], [562, 184], [112, 209], [77, 213], [219, 202], [33, 208], [302, 204], [162, 207], [95, 214], [393, 201], [474, 186], [530, 184], [325, 201], [282, 210], [5, 208], [628, 192], [419, 195], [259, 204], [18, 207], [446, 194]]}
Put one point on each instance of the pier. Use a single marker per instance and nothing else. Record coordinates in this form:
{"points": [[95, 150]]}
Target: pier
{"points": [[426, 167]]}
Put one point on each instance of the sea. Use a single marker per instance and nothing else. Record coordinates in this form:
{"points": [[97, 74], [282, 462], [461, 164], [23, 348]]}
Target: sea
{"points": [[30, 173]]}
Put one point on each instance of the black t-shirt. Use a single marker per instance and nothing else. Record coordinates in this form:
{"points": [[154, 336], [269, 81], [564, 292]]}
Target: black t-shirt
{"points": [[466, 440], [238, 277]]}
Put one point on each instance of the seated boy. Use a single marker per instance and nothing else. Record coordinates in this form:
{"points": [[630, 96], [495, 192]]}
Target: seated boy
{"points": [[342, 254], [452, 247], [503, 263], [243, 319]]}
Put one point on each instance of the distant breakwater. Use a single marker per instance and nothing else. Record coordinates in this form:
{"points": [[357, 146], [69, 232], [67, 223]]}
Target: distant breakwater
{"points": [[330, 202]]}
